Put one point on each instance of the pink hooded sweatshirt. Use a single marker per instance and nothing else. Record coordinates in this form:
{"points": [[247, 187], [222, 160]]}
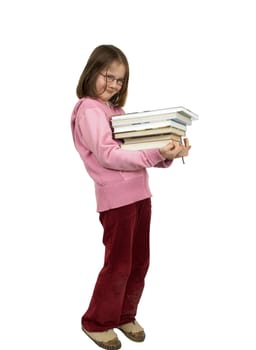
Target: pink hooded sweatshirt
{"points": [[120, 176]]}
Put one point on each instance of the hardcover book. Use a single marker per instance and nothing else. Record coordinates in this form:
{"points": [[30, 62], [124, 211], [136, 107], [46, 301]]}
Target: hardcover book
{"points": [[152, 129]]}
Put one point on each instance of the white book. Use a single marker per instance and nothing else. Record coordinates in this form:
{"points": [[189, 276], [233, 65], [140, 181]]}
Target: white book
{"points": [[177, 117], [149, 125], [158, 112], [156, 131]]}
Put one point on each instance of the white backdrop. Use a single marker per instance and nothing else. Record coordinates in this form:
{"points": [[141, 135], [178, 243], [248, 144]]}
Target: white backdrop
{"points": [[200, 290]]}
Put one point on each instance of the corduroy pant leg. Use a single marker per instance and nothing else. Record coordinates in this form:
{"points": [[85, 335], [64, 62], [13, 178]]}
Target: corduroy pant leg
{"points": [[140, 262], [121, 280]]}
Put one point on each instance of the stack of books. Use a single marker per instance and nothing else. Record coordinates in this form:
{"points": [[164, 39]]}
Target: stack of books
{"points": [[152, 129]]}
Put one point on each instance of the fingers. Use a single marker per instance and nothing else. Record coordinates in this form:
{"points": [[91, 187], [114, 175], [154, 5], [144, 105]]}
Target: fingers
{"points": [[175, 149], [186, 142], [171, 150], [174, 145], [186, 145], [171, 145]]}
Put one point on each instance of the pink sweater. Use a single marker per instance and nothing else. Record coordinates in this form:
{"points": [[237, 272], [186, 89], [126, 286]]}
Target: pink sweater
{"points": [[120, 176]]}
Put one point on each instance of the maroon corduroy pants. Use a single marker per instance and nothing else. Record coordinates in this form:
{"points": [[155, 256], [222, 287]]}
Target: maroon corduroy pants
{"points": [[121, 280]]}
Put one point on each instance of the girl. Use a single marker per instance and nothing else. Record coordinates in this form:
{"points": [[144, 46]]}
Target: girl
{"points": [[122, 196]]}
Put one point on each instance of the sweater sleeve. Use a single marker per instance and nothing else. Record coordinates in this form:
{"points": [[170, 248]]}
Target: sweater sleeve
{"points": [[95, 133], [164, 164]]}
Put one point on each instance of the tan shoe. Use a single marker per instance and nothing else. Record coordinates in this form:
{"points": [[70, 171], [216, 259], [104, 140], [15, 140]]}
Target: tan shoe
{"points": [[133, 331], [107, 340]]}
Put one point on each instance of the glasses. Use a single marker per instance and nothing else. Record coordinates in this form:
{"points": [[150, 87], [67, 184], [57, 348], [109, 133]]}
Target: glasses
{"points": [[111, 78]]}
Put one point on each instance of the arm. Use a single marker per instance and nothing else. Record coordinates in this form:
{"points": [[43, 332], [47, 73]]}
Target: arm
{"points": [[94, 132], [164, 164]]}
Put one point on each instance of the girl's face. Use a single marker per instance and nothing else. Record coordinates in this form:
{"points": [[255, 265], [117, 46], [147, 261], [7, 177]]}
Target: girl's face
{"points": [[110, 81]]}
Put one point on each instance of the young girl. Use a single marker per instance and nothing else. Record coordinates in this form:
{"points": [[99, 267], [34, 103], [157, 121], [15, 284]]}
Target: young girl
{"points": [[122, 195]]}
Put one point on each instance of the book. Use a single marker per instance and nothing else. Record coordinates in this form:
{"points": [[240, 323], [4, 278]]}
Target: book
{"points": [[145, 145], [177, 117], [148, 125], [158, 112], [148, 132], [141, 139], [152, 129]]}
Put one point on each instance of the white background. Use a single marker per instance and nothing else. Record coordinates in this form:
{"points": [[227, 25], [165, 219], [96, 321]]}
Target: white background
{"points": [[200, 290]]}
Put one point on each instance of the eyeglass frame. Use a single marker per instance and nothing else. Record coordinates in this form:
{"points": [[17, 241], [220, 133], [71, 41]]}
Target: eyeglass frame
{"points": [[110, 78]]}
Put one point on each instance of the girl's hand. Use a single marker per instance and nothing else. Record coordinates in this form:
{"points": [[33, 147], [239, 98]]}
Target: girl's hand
{"points": [[175, 150], [185, 149]]}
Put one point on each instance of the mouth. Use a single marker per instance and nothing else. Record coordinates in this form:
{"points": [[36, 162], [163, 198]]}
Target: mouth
{"points": [[108, 93], [111, 91]]}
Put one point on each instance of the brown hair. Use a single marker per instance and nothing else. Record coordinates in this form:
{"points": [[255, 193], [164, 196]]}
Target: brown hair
{"points": [[101, 58]]}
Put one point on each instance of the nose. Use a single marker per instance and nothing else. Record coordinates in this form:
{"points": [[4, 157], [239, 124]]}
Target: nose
{"points": [[114, 83]]}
